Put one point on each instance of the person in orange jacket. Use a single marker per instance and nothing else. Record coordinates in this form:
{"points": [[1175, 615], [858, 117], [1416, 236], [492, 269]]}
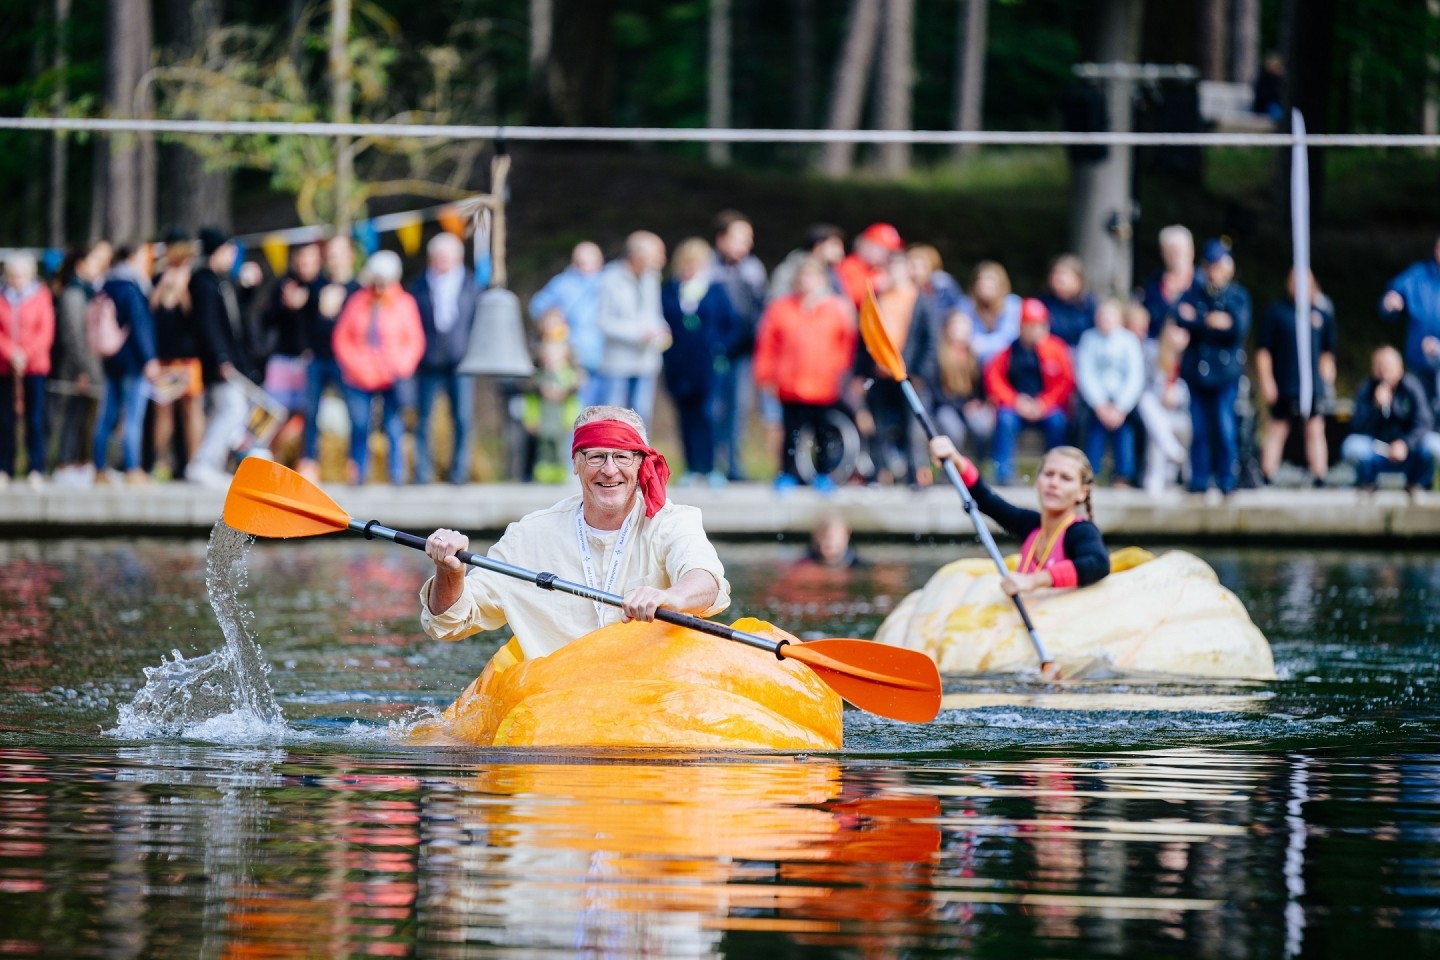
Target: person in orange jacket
{"points": [[1030, 382], [378, 343], [871, 257], [804, 351]]}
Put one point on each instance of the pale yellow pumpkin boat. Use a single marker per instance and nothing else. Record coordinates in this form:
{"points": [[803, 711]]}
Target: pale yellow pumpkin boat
{"points": [[1166, 615], [645, 685]]}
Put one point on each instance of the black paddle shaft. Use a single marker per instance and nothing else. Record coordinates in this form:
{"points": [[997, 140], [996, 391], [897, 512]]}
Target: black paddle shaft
{"points": [[971, 508], [549, 581]]}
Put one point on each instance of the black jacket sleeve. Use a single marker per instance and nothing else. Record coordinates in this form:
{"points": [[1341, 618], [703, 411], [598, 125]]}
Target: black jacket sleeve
{"points": [[1085, 548], [1017, 521]]}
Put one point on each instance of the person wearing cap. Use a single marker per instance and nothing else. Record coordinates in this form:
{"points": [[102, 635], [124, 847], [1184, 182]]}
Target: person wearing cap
{"points": [[870, 258], [621, 534], [1216, 314], [1031, 383], [379, 341], [227, 349]]}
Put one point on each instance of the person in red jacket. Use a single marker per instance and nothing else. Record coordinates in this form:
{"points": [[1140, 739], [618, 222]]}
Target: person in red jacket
{"points": [[1030, 382], [873, 249], [378, 343], [804, 350], [27, 331]]}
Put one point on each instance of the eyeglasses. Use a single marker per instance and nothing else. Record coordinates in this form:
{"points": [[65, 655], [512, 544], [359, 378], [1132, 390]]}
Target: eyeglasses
{"points": [[622, 458]]}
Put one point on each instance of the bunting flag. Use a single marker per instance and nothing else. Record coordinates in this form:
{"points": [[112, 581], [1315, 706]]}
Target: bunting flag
{"points": [[409, 234], [276, 250], [367, 236], [451, 221]]}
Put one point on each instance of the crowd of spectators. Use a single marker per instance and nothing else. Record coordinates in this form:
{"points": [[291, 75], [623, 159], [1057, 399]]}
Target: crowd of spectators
{"points": [[172, 355]]}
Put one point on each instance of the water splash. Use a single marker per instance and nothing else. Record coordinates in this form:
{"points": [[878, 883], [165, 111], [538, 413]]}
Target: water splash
{"points": [[224, 694]]}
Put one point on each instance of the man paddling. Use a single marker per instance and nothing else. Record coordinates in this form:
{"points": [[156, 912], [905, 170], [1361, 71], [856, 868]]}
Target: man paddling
{"points": [[620, 535]]}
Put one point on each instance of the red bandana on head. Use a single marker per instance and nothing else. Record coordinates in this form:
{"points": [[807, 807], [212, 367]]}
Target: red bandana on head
{"points": [[618, 435]]}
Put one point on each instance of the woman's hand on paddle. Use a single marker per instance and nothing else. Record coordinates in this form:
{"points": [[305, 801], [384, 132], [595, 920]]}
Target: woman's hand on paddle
{"points": [[942, 448], [442, 545], [1015, 584]]}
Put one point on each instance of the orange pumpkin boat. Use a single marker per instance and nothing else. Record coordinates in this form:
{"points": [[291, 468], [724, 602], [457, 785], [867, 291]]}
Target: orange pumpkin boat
{"points": [[645, 685]]}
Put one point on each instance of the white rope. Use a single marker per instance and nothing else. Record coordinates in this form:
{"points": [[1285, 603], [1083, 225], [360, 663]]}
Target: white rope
{"points": [[402, 131]]}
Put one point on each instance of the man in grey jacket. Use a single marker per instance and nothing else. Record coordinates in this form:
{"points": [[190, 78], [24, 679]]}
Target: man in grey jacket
{"points": [[632, 324], [446, 295]]}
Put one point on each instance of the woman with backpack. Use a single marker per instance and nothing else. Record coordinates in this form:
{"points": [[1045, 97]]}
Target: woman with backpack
{"points": [[77, 370], [127, 289]]}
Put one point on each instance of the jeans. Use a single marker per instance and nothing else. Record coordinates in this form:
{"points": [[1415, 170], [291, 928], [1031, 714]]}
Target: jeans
{"points": [[1359, 450], [361, 407], [697, 433], [226, 427], [734, 394], [637, 393], [321, 373], [461, 392], [1122, 440], [1214, 444], [1008, 425], [33, 388], [125, 394]]}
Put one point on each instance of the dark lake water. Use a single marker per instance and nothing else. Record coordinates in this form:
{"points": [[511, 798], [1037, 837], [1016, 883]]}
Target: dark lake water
{"points": [[1102, 817]]}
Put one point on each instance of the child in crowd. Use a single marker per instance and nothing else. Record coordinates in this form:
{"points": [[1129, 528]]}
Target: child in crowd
{"points": [[554, 403], [1164, 406], [1110, 374]]}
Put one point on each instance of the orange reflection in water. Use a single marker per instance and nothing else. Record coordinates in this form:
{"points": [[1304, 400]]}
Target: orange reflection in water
{"points": [[640, 857]]}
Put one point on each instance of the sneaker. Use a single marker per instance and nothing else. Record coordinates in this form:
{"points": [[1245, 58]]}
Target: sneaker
{"points": [[785, 482], [824, 485], [4, 480], [716, 479], [204, 475], [35, 479], [137, 477]]}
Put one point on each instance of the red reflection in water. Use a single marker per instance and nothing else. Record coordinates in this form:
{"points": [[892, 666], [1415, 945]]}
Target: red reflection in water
{"points": [[25, 617]]}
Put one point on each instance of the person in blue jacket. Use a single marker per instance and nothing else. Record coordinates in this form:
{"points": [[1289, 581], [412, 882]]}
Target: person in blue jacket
{"points": [[124, 400], [1216, 314], [703, 329], [1415, 294]]}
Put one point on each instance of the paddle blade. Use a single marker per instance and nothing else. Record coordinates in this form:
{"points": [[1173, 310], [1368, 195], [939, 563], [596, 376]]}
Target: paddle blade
{"points": [[890, 681], [877, 341], [269, 500]]}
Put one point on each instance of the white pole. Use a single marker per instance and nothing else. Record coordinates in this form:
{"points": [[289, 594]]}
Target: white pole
{"points": [[1300, 235]]}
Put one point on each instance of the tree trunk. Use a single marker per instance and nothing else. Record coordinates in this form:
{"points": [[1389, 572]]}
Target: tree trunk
{"points": [[542, 27], [852, 73], [970, 74], [577, 85], [59, 155], [341, 91], [719, 78], [897, 76], [1213, 30], [802, 88], [130, 167], [195, 197], [1245, 51], [1102, 190]]}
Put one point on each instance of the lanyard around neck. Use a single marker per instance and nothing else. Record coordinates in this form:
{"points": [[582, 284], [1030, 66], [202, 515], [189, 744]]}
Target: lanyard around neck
{"points": [[1027, 562], [588, 563]]}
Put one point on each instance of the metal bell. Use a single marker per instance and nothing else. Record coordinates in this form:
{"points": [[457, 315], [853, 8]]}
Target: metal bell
{"points": [[498, 343]]}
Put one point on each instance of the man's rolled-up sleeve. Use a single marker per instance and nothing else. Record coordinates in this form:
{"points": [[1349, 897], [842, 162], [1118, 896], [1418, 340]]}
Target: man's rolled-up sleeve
{"points": [[687, 548], [476, 609]]}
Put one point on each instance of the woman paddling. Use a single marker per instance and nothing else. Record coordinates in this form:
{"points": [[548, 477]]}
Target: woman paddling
{"points": [[1061, 549]]}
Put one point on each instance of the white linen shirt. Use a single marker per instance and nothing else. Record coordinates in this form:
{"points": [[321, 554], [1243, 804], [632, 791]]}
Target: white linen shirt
{"points": [[658, 552]]}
